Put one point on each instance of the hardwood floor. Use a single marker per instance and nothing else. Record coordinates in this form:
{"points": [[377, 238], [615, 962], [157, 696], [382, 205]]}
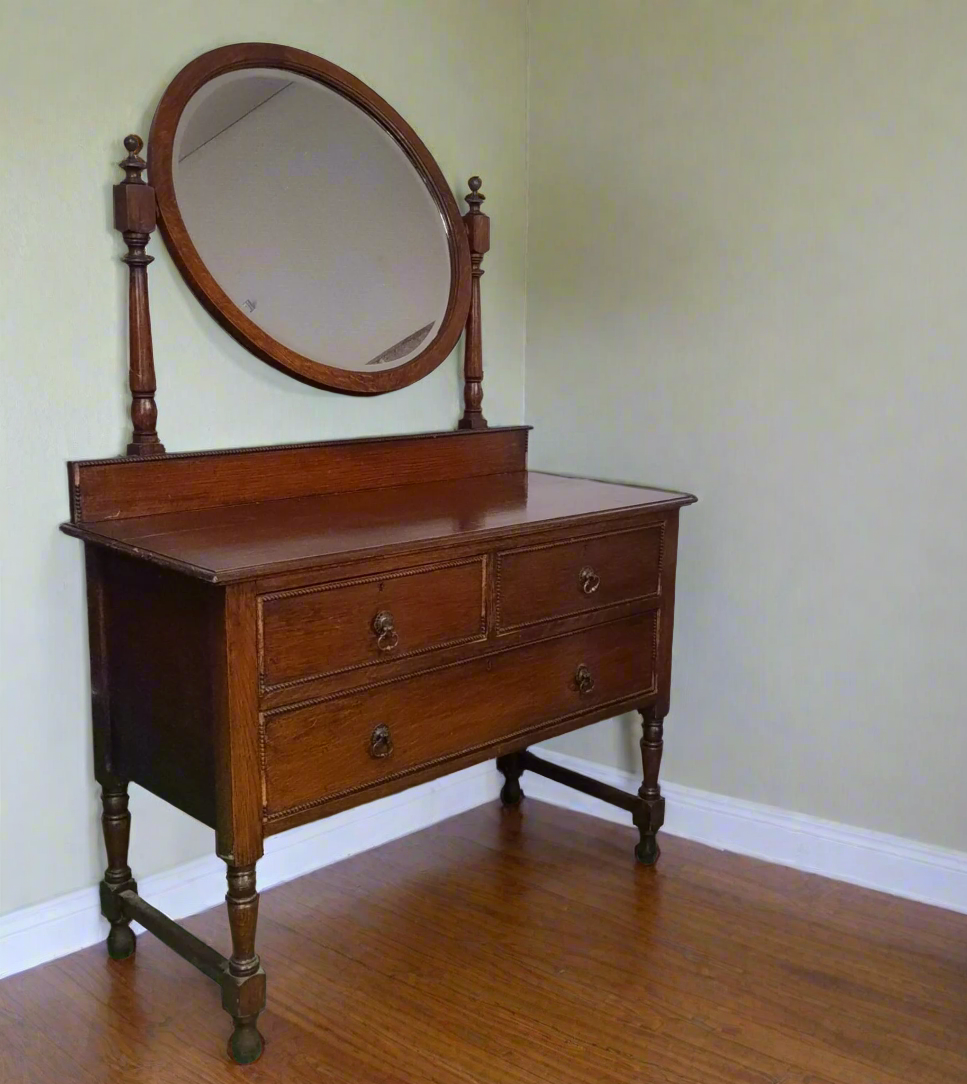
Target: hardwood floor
{"points": [[529, 947]]}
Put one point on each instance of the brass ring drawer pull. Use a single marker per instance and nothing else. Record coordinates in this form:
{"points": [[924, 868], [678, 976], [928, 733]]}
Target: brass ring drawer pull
{"points": [[589, 579], [583, 680], [380, 742], [387, 638]]}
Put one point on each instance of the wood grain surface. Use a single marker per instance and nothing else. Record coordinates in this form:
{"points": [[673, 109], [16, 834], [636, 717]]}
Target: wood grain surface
{"points": [[127, 487], [524, 947], [243, 541], [327, 628], [322, 750], [538, 583]]}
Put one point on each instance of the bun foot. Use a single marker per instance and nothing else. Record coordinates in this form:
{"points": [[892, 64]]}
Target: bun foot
{"points": [[510, 793], [647, 851], [245, 1045], [510, 766], [121, 942]]}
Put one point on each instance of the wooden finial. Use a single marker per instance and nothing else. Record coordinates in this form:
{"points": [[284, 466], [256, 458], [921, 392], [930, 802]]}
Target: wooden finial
{"points": [[133, 165], [478, 234], [476, 197], [135, 216]]}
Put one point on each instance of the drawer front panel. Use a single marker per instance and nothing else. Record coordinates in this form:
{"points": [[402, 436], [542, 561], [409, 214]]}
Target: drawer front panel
{"points": [[345, 743], [544, 582], [314, 631]]}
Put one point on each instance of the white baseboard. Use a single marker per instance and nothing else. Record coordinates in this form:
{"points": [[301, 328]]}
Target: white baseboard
{"points": [[875, 860], [46, 931]]}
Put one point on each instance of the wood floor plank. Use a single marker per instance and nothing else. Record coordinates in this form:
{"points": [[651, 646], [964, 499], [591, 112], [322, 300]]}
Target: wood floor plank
{"points": [[616, 977], [527, 947]]}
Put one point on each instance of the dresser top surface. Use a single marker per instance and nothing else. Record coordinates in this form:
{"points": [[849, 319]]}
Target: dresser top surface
{"points": [[245, 541]]}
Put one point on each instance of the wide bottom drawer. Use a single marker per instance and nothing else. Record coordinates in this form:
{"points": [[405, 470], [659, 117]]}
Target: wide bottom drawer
{"points": [[331, 747]]}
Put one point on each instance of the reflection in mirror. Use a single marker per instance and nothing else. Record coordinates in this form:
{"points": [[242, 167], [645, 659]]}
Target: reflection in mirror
{"points": [[312, 219]]}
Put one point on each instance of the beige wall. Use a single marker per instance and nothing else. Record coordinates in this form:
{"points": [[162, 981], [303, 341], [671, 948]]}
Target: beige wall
{"points": [[77, 77], [747, 277]]}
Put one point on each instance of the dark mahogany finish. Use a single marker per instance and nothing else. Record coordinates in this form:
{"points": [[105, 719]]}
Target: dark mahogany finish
{"points": [[650, 813], [246, 995], [478, 233], [134, 217], [325, 629], [230, 58], [116, 824], [262, 663], [116, 490], [539, 583], [320, 749], [280, 633], [511, 765]]}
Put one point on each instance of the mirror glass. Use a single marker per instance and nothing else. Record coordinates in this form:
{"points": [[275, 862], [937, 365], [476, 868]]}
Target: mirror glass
{"points": [[312, 219]]}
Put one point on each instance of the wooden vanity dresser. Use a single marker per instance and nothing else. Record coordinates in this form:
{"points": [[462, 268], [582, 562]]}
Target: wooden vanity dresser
{"points": [[280, 633]]}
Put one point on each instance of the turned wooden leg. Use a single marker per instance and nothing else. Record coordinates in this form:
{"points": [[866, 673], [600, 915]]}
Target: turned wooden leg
{"points": [[510, 765], [650, 815], [116, 822], [243, 997]]}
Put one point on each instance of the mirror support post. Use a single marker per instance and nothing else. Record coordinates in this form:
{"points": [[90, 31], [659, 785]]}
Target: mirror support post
{"points": [[478, 233], [135, 213]]}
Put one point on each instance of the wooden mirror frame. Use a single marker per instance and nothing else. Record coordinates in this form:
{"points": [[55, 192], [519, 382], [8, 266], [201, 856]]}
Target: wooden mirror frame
{"points": [[231, 58]]}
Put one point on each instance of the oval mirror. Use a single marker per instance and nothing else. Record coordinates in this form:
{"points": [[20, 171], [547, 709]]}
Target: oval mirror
{"points": [[309, 218]]}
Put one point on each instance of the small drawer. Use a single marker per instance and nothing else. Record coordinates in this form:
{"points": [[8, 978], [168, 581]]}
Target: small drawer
{"points": [[329, 748], [329, 628], [540, 583]]}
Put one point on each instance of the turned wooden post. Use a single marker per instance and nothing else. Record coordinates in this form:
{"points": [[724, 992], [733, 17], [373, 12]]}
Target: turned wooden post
{"points": [[650, 815], [478, 233], [135, 215], [116, 823], [511, 766], [244, 997]]}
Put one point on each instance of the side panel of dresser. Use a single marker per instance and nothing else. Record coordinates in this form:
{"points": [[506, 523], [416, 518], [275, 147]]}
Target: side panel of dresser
{"points": [[174, 693], [151, 652], [666, 615]]}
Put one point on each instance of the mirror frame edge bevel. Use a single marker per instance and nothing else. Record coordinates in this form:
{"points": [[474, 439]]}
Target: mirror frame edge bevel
{"points": [[224, 311]]}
